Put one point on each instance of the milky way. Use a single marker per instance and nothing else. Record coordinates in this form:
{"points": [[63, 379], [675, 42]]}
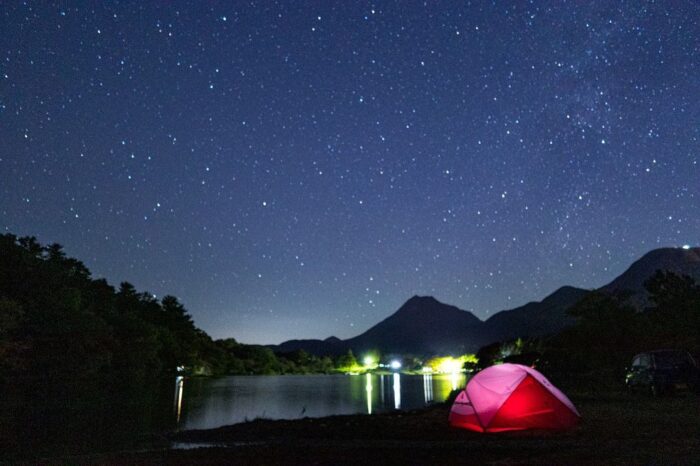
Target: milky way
{"points": [[300, 169]]}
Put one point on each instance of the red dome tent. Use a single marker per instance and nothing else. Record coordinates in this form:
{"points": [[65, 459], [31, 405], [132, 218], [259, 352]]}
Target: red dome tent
{"points": [[511, 397]]}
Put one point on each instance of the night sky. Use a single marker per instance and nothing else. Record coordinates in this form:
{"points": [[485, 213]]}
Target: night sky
{"points": [[300, 169]]}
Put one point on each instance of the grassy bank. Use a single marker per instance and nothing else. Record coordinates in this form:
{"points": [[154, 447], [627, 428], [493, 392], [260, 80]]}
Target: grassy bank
{"points": [[616, 429]]}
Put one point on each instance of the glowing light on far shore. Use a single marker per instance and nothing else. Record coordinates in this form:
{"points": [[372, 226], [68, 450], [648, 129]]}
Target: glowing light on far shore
{"points": [[395, 364], [450, 365], [686, 246]]}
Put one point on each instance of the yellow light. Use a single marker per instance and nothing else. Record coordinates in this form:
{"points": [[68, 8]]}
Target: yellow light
{"points": [[449, 365]]}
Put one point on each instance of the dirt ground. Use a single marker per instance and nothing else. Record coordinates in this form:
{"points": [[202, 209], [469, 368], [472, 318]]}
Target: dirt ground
{"points": [[615, 429]]}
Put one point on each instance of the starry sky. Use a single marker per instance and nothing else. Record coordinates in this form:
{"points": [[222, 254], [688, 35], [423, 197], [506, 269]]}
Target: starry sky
{"points": [[300, 169]]}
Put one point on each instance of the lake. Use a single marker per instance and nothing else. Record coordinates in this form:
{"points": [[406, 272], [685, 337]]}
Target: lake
{"points": [[205, 403], [134, 417]]}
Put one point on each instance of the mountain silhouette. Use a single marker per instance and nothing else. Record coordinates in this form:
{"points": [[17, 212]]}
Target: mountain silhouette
{"points": [[631, 282], [424, 326], [535, 318]]}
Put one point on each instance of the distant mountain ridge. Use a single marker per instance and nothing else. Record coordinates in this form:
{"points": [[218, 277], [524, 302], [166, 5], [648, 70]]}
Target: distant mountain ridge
{"points": [[423, 325], [680, 261], [535, 318], [329, 346]]}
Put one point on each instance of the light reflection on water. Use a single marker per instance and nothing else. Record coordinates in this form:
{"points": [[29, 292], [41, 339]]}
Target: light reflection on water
{"points": [[179, 389], [454, 378], [202, 403], [428, 388], [397, 391], [369, 393]]}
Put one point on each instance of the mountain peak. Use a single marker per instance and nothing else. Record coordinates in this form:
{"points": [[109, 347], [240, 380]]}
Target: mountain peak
{"points": [[422, 325], [421, 299], [424, 306]]}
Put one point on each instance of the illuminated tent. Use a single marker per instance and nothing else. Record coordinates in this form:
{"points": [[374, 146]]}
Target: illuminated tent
{"points": [[511, 397]]}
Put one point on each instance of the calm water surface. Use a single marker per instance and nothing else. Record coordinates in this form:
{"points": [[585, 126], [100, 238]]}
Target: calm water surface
{"points": [[208, 403]]}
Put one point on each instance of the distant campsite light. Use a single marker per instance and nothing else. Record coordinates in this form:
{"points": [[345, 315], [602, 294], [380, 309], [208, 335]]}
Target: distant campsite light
{"points": [[395, 364], [686, 246], [449, 365], [369, 362]]}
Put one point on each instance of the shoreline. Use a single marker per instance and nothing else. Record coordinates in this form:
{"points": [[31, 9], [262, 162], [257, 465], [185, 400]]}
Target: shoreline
{"points": [[615, 429]]}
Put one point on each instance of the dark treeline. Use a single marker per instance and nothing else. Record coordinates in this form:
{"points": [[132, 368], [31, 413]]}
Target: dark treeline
{"points": [[609, 331], [593, 353], [57, 322], [71, 344]]}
